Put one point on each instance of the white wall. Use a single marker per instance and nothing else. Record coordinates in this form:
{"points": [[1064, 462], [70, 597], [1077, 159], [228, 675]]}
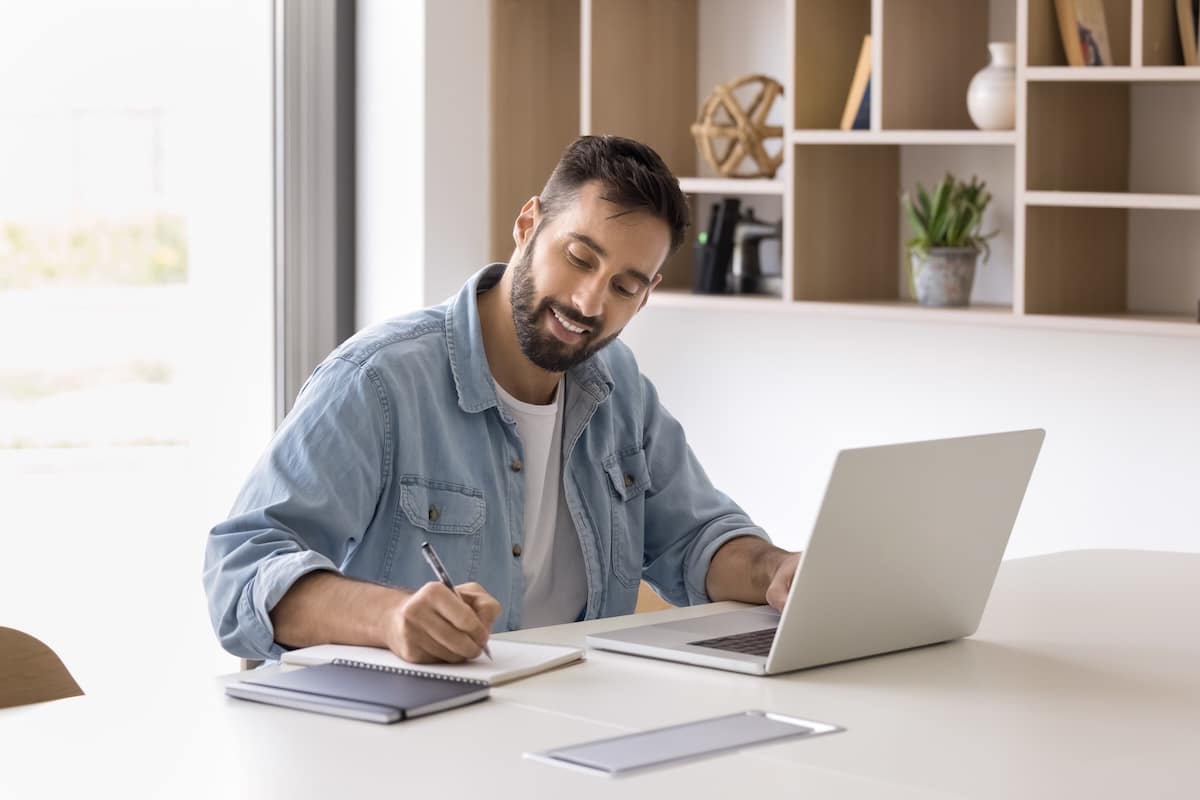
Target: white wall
{"points": [[457, 144], [768, 400], [422, 152], [390, 203]]}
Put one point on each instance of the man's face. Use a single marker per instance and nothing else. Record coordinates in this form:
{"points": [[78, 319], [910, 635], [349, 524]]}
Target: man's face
{"points": [[582, 277]]}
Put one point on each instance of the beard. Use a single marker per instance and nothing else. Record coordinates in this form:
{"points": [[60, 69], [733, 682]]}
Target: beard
{"points": [[540, 346]]}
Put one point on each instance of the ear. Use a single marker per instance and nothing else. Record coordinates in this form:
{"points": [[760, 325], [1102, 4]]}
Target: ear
{"points": [[527, 220], [657, 280]]}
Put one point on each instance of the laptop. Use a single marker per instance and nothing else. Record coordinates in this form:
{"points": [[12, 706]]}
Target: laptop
{"points": [[904, 553]]}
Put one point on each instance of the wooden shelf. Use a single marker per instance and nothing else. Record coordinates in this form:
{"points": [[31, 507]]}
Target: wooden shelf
{"points": [[909, 311], [1113, 74], [1137, 324], [676, 298], [1081, 246], [1163, 202], [969, 137], [732, 186]]}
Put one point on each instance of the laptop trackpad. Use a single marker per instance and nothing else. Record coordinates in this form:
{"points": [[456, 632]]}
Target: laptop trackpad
{"points": [[750, 619]]}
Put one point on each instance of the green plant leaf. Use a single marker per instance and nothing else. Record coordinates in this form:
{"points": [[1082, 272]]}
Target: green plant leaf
{"points": [[952, 216]]}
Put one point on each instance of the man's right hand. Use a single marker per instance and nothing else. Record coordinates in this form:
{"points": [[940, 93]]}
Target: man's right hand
{"points": [[431, 624]]}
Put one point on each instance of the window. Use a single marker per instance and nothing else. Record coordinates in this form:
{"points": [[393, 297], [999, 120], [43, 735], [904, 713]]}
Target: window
{"points": [[136, 370]]}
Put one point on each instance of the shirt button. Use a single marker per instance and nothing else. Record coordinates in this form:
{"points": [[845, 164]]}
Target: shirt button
{"points": [[628, 481], [516, 465], [516, 551], [434, 513]]}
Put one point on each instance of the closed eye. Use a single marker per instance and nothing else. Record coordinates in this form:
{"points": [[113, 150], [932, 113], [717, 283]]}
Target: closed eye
{"points": [[579, 262]]}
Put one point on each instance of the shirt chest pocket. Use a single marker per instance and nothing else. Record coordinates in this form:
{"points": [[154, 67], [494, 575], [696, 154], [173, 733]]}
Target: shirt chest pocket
{"points": [[629, 477], [450, 516], [441, 507]]}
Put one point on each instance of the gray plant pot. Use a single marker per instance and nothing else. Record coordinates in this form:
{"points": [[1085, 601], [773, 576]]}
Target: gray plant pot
{"points": [[943, 277]]}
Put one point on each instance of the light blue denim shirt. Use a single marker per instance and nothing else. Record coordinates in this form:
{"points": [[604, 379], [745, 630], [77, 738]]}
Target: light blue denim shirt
{"points": [[397, 438]]}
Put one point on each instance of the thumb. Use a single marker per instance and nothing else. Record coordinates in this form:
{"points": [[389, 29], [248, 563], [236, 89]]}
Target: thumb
{"points": [[777, 591]]}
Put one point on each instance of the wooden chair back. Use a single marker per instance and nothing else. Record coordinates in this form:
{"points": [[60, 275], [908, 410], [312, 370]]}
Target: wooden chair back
{"points": [[648, 600], [30, 672]]}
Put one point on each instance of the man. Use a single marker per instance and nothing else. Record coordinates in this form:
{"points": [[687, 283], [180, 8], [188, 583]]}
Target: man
{"points": [[508, 429]]}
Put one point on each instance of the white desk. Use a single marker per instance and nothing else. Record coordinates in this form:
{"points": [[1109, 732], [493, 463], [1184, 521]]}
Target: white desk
{"points": [[1083, 681]]}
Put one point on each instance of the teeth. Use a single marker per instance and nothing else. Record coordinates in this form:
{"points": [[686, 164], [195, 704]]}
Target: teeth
{"points": [[569, 326]]}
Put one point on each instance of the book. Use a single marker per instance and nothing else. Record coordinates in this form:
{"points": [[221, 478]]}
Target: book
{"points": [[1084, 32], [857, 113], [359, 691], [510, 661], [1188, 14], [862, 119]]}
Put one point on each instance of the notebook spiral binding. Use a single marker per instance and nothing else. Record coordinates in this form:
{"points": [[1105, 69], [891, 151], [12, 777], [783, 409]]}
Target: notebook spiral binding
{"points": [[346, 662]]}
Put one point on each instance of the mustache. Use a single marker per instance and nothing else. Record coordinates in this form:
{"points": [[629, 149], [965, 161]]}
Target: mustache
{"points": [[592, 323]]}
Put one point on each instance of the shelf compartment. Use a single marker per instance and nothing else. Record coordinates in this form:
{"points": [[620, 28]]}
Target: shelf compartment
{"points": [[1078, 137], [640, 66], [534, 76], [1045, 38], [1118, 262], [845, 224], [828, 37], [1116, 138], [1075, 260], [931, 50], [1160, 34]]}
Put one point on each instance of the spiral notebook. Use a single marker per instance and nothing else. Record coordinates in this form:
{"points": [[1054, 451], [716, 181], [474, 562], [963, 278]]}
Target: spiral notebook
{"points": [[359, 691], [510, 660]]}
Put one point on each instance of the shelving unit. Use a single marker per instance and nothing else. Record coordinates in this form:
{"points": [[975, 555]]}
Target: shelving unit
{"points": [[1097, 191]]}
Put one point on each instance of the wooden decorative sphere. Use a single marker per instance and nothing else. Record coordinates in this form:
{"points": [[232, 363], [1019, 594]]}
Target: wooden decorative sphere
{"points": [[722, 117]]}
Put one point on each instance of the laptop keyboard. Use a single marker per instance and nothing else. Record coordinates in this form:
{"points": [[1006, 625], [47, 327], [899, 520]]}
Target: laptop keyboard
{"points": [[755, 643]]}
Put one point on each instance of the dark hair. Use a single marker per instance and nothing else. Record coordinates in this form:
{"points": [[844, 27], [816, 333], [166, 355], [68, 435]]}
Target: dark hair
{"points": [[634, 178]]}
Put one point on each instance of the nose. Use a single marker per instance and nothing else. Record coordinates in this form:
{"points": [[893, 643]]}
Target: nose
{"points": [[588, 296]]}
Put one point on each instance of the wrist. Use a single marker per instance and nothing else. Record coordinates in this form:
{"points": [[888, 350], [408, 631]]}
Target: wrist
{"points": [[391, 601]]}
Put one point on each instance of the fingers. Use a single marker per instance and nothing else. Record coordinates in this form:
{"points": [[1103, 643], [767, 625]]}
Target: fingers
{"points": [[435, 625], [781, 581], [486, 607], [777, 592]]}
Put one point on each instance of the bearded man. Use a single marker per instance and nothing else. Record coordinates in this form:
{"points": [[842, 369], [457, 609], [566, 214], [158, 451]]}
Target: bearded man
{"points": [[509, 429]]}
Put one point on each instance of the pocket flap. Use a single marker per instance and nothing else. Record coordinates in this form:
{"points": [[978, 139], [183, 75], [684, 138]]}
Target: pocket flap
{"points": [[628, 472], [441, 507]]}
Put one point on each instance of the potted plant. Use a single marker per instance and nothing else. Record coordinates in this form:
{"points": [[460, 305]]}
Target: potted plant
{"points": [[947, 239]]}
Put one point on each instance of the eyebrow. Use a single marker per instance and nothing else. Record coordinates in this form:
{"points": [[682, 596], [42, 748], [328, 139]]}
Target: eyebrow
{"points": [[583, 238]]}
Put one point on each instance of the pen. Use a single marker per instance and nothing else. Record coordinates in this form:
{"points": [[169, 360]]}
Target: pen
{"points": [[435, 564]]}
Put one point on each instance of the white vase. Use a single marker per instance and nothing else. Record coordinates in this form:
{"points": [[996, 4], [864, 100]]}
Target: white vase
{"points": [[992, 95]]}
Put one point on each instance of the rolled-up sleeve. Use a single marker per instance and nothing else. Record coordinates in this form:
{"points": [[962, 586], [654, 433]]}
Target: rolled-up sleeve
{"points": [[687, 518], [310, 496]]}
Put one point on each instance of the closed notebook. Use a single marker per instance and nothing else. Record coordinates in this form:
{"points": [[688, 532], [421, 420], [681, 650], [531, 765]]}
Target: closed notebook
{"points": [[510, 660], [359, 691]]}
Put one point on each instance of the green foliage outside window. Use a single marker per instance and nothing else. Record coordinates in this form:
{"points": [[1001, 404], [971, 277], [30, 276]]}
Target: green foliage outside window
{"points": [[101, 253]]}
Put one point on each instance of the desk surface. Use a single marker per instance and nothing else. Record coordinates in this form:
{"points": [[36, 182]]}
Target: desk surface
{"points": [[1083, 681]]}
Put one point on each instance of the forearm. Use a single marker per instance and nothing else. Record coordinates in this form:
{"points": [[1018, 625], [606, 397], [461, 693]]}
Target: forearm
{"points": [[323, 607], [742, 570]]}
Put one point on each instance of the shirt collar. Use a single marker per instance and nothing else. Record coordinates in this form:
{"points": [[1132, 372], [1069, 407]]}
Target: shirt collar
{"points": [[468, 360]]}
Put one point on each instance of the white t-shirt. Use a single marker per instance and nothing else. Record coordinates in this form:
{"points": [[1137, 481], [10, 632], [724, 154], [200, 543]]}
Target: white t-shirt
{"points": [[551, 558]]}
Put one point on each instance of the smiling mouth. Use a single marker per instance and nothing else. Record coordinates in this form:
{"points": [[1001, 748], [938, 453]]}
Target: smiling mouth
{"points": [[568, 324]]}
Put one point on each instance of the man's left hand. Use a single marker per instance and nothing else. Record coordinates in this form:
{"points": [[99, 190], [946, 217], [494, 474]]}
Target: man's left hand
{"points": [[781, 580]]}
